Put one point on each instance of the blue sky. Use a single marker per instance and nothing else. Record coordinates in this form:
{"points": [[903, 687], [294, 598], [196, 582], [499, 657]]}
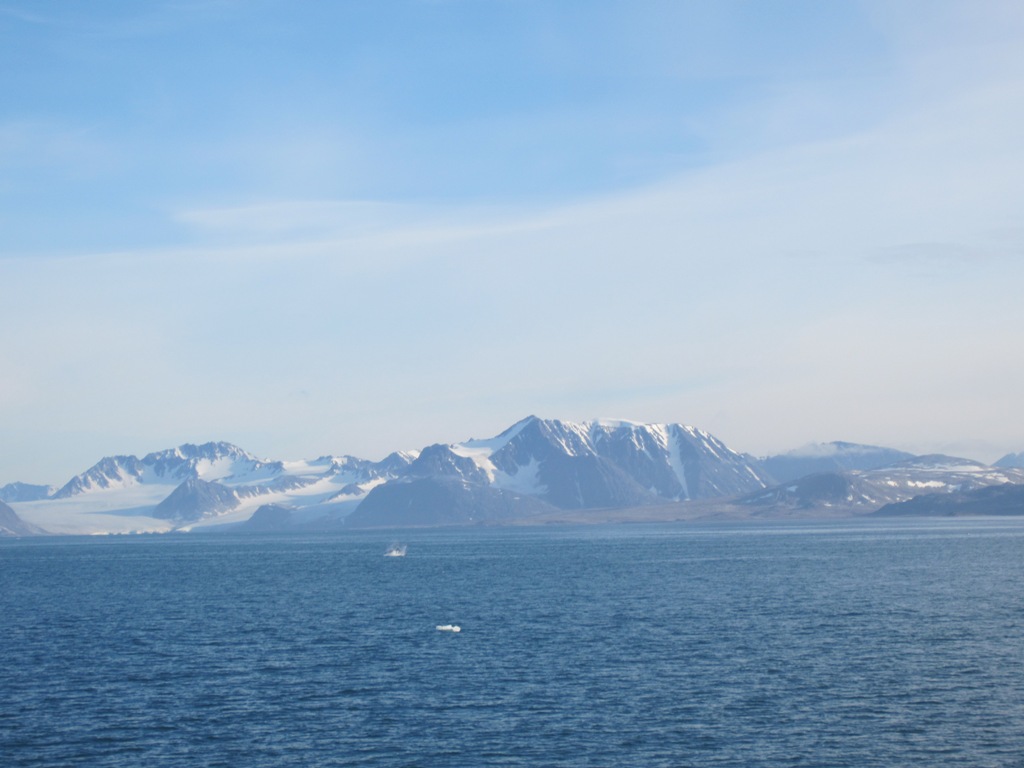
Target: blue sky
{"points": [[363, 226]]}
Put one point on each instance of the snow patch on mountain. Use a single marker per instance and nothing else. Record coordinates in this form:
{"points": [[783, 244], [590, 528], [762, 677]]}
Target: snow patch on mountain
{"points": [[525, 480], [479, 452], [678, 469]]}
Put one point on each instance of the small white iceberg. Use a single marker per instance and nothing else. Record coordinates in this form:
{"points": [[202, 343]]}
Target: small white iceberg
{"points": [[395, 550], [449, 628]]}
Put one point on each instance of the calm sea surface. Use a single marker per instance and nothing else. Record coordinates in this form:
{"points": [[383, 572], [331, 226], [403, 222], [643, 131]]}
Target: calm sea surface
{"points": [[842, 644]]}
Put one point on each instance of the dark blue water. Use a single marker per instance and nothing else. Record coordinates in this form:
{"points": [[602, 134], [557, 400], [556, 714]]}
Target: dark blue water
{"points": [[855, 644]]}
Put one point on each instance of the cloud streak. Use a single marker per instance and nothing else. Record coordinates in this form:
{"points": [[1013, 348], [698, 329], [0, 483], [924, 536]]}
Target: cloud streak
{"points": [[837, 262]]}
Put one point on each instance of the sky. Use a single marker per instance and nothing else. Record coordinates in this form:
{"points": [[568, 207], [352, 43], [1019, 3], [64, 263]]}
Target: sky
{"points": [[366, 226]]}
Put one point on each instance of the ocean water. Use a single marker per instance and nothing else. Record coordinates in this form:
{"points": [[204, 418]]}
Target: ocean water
{"points": [[858, 643]]}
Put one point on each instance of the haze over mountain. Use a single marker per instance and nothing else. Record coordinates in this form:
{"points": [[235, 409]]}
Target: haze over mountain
{"points": [[830, 457], [539, 470]]}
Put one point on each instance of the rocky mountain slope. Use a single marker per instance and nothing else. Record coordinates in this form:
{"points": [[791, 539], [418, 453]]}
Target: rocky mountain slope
{"points": [[12, 525], [538, 465]]}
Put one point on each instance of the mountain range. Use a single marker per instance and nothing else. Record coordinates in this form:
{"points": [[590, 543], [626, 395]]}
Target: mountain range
{"points": [[535, 471]]}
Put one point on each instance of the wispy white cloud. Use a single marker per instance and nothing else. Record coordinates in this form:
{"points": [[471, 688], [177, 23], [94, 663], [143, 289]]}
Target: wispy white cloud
{"points": [[841, 263]]}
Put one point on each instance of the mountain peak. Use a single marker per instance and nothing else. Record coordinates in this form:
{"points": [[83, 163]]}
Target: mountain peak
{"points": [[108, 473], [627, 462], [211, 451]]}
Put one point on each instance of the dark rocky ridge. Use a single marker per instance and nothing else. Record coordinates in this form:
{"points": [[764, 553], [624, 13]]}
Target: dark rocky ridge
{"points": [[997, 500], [194, 500], [269, 517], [432, 501]]}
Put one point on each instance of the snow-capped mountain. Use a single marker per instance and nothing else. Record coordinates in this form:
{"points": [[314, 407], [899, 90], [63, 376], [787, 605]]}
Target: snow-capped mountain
{"points": [[936, 473], [625, 462], [200, 485], [536, 469], [209, 461], [538, 465], [861, 491]]}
